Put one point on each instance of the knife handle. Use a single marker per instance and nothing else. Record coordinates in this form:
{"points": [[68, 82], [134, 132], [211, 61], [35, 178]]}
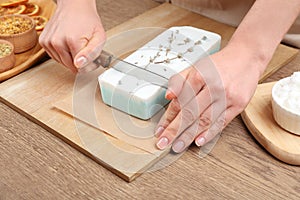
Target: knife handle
{"points": [[104, 59]]}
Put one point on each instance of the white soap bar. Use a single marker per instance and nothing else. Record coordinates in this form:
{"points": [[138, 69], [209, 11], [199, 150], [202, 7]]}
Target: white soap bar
{"points": [[167, 54]]}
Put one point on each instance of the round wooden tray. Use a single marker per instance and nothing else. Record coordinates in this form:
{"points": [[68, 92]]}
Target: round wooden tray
{"points": [[28, 58], [258, 117]]}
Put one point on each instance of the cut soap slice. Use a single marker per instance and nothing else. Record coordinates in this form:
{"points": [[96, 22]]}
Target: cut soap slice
{"points": [[167, 54]]}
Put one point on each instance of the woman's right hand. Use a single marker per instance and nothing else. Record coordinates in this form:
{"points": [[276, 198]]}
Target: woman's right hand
{"points": [[74, 36]]}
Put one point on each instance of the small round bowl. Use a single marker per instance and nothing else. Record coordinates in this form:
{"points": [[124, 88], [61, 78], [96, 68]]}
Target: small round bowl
{"points": [[7, 56], [23, 38], [287, 118]]}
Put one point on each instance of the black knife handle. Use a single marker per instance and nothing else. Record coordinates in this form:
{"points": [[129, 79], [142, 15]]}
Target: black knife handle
{"points": [[104, 59]]}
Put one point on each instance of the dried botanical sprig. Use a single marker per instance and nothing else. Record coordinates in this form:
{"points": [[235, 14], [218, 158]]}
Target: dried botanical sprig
{"points": [[187, 40], [179, 55], [151, 60], [171, 38], [168, 60], [197, 42], [168, 50], [191, 49]]}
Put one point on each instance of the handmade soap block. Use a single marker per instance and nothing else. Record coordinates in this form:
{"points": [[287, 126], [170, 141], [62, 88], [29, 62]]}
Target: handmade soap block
{"points": [[167, 54]]}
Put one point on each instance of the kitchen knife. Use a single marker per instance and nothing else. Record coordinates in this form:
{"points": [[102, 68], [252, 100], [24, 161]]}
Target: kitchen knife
{"points": [[107, 60]]}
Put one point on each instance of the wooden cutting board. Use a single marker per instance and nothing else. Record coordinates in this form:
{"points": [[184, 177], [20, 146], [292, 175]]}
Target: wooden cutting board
{"points": [[27, 59], [259, 119], [34, 92]]}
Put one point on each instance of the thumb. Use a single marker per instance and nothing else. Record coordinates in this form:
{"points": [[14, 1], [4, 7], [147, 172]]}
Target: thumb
{"points": [[90, 52]]}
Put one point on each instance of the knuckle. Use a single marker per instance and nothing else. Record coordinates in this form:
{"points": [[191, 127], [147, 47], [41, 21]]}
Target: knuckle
{"points": [[218, 125], [196, 78], [175, 79], [218, 91], [204, 121], [189, 135], [221, 122], [171, 132], [175, 106], [41, 39], [172, 78], [240, 102], [244, 100], [172, 112], [70, 40], [56, 44], [188, 116], [236, 99]]}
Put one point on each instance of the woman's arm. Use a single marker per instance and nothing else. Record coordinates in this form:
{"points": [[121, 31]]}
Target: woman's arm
{"points": [[207, 96], [263, 28]]}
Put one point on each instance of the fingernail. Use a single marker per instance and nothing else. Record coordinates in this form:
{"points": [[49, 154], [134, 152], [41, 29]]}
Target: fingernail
{"points": [[169, 95], [162, 143], [200, 141], [81, 62], [159, 131], [178, 147]]}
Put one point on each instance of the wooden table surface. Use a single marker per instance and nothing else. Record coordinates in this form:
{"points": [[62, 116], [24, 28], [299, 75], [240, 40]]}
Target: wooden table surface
{"points": [[34, 164]]}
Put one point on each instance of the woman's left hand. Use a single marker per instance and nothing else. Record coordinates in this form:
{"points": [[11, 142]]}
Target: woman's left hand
{"points": [[206, 97]]}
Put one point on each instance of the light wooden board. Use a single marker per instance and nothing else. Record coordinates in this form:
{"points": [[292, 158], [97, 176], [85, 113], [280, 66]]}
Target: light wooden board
{"points": [[30, 57], [34, 92], [259, 119], [136, 132]]}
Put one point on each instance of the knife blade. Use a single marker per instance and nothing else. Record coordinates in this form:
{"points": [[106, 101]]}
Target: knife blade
{"points": [[108, 60]]}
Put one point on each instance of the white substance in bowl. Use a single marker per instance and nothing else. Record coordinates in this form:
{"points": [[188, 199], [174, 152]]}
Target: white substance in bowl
{"points": [[286, 103]]}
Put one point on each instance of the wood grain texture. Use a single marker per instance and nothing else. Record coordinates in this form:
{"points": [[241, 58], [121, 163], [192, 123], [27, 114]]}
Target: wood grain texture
{"points": [[28, 58], [34, 92], [35, 164], [259, 119], [39, 88]]}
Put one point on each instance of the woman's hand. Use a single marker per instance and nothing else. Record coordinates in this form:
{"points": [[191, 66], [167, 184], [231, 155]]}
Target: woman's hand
{"points": [[206, 97], [74, 36]]}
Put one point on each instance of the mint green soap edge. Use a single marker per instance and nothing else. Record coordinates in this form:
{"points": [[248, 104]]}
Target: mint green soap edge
{"points": [[136, 107]]}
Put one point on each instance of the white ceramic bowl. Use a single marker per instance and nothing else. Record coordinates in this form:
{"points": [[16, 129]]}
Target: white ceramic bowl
{"points": [[287, 117]]}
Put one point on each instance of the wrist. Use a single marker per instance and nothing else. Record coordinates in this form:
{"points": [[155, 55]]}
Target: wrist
{"points": [[251, 53]]}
